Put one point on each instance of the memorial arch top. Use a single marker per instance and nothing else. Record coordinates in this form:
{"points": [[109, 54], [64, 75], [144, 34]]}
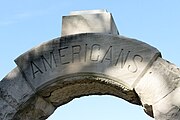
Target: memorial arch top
{"points": [[90, 58]]}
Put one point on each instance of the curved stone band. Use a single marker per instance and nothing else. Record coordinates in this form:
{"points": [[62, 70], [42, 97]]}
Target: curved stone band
{"points": [[57, 71], [100, 63]]}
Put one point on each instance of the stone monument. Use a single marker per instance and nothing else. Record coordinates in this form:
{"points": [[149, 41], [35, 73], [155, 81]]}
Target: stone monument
{"points": [[90, 58]]}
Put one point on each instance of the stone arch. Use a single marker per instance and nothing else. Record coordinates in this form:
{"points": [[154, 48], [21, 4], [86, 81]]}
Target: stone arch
{"points": [[55, 72], [91, 58]]}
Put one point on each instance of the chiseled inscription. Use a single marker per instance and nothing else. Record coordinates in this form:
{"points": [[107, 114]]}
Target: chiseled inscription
{"points": [[94, 53], [62, 55], [108, 55], [94, 56], [76, 49]]}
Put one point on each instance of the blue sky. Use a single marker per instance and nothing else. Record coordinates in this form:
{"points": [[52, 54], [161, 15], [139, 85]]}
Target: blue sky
{"points": [[26, 24]]}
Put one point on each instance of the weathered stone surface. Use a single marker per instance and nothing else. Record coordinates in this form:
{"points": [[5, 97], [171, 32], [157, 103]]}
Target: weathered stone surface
{"points": [[90, 21], [14, 89], [6, 111], [159, 88], [17, 98], [121, 58], [168, 108], [160, 79], [37, 109], [72, 86]]}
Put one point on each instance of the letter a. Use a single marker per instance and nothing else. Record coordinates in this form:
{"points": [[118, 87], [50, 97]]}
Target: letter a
{"points": [[35, 69]]}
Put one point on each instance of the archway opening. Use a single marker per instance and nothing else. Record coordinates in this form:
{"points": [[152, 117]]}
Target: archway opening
{"points": [[97, 107], [62, 90]]}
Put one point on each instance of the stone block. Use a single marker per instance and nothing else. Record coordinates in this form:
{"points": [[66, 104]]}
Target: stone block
{"points": [[89, 21], [14, 89], [37, 109], [160, 80], [6, 111], [122, 59], [168, 107]]}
